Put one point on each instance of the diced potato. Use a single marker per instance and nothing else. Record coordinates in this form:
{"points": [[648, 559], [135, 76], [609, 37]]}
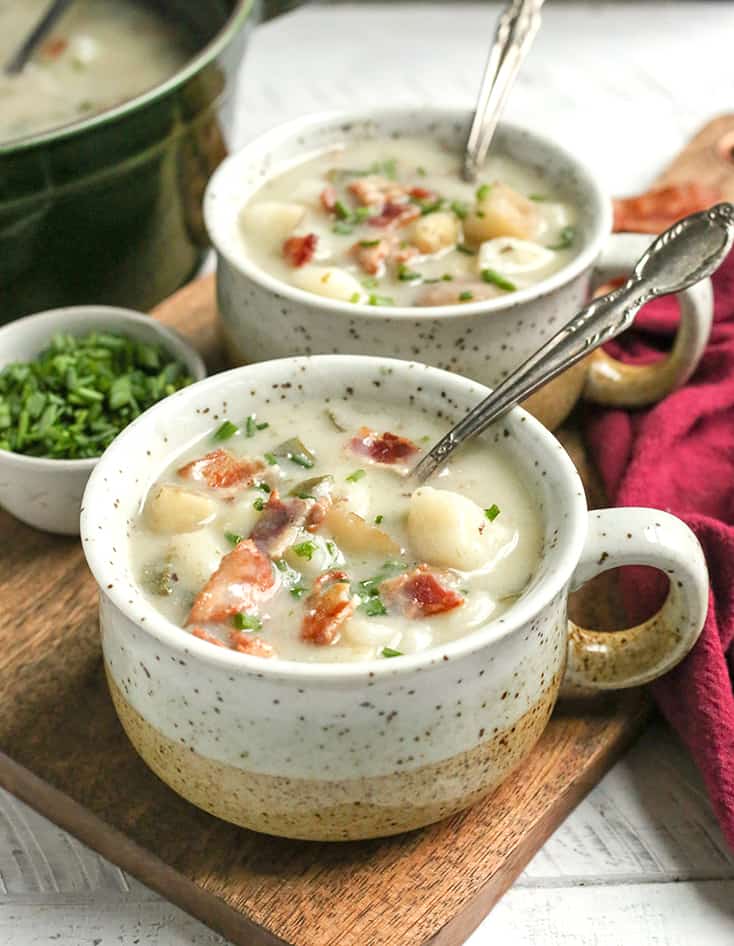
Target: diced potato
{"points": [[271, 222], [502, 212], [362, 630], [510, 256], [195, 557], [329, 281], [355, 534], [435, 232], [176, 509], [451, 531]]}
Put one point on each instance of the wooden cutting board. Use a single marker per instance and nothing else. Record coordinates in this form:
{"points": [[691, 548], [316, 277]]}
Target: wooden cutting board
{"points": [[66, 754]]}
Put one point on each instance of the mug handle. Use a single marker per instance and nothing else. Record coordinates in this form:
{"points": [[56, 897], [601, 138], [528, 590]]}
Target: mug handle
{"points": [[612, 660], [615, 384]]}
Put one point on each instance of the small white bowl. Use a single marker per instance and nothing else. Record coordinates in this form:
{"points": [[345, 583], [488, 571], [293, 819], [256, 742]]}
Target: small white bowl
{"points": [[47, 493]]}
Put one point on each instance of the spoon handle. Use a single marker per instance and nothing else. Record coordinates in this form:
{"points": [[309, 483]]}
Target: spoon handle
{"points": [[686, 253], [43, 27], [516, 29]]}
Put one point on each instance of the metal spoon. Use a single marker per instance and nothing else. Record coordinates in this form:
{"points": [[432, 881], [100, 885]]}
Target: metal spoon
{"points": [[40, 31], [686, 253], [515, 32]]}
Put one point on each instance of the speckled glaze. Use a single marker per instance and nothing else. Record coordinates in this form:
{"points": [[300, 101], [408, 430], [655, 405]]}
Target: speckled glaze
{"points": [[46, 493], [264, 318], [345, 751]]}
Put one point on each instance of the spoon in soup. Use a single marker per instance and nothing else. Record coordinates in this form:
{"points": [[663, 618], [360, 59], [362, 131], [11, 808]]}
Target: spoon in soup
{"points": [[516, 29], [40, 31], [685, 254]]}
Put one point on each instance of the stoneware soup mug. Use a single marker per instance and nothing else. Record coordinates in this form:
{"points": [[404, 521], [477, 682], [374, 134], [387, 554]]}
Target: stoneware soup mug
{"points": [[343, 751], [264, 318]]}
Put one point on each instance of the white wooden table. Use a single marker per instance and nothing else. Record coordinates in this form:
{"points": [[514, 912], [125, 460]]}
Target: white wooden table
{"points": [[641, 861]]}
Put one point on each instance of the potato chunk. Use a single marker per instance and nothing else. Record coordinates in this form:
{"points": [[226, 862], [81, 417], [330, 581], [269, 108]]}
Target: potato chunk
{"points": [[435, 232], [329, 281], [450, 531], [502, 212], [174, 509], [512, 257], [271, 222]]}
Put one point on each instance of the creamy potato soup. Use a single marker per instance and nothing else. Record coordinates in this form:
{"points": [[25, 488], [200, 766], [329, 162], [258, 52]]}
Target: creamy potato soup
{"points": [[99, 54], [301, 538], [390, 222]]}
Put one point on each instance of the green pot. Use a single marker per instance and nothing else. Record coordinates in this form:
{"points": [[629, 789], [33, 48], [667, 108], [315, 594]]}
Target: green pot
{"points": [[108, 209]]}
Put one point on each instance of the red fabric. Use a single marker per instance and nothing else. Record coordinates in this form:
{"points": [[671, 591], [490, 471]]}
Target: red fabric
{"points": [[679, 456]]}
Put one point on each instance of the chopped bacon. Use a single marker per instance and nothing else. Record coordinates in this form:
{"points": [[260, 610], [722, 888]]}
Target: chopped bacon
{"points": [[299, 250], [206, 636], [375, 191], [403, 254], [423, 193], [328, 198], [328, 606], [244, 579], [280, 521], [254, 646], [395, 215], [371, 258], [659, 209], [384, 448], [419, 594], [220, 470], [317, 513], [54, 47]]}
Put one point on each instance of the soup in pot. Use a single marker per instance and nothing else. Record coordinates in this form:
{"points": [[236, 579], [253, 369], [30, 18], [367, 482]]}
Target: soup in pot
{"points": [[387, 222], [302, 538], [99, 54]]}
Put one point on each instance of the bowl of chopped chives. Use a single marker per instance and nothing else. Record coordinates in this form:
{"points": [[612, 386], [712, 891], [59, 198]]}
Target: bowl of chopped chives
{"points": [[70, 380]]}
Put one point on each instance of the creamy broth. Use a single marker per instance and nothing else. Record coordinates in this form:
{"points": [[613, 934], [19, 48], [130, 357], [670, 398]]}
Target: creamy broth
{"points": [[390, 222], [316, 550], [99, 54]]}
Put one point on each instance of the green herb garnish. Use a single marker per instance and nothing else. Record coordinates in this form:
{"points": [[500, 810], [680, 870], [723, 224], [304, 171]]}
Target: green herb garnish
{"points": [[343, 228], [407, 275], [265, 487], [270, 458], [378, 519], [80, 392], [305, 550], [227, 430], [370, 282], [259, 504], [373, 607], [341, 210], [250, 426], [391, 652], [466, 295], [357, 475], [246, 622], [355, 297], [483, 191], [234, 538], [298, 591], [380, 300], [281, 564], [565, 239], [539, 198], [368, 243], [492, 512], [497, 279], [460, 209], [463, 248]]}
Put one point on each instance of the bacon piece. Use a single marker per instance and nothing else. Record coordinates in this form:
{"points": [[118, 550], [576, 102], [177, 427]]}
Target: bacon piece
{"points": [[317, 513], [244, 579], [403, 254], [419, 594], [395, 215], [328, 606], [299, 250], [659, 209], [328, 198], [254, 646], [280, 521], [371, 258], [375, 191], [384, 448], [220, 470], [54, 47], [206, 636], [423, 193]]}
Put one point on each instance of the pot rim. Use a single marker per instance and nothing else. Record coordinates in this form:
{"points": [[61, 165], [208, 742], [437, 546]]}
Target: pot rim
{"points": [[260, 146], [100, 551], [237, 18]]}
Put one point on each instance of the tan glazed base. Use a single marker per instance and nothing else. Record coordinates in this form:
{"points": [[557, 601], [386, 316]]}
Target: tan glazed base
{"points": [[346, 810]]}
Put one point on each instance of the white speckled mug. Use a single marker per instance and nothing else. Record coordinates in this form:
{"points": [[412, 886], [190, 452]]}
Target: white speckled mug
{"points": [[265, 318], [343, 751]]}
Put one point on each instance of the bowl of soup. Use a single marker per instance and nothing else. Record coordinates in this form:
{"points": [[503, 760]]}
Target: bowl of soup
{"points": [[355, 232], [107, 140], [300, 639]]}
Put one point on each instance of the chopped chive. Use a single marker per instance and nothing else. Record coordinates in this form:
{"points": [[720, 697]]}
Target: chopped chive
{"points": [[305, 550], [331, 548], [357, 475], [391, 652], [250, 426], [259, 504], [281, 564], [355, 297], [227, 430], [246, 622], [373, 607], [407, 275], [540, 198], [492, 512], [234, 538], [466, 295], [341, 210], [370, 282], [565, 239], [344, 229], [378, 519], [264, 487], [298, 591], [483, 191], [263, 425], [270, 458], [463, 248], [459, 208], [447, 277], [497, 279], [361, 213], [368, 243], [431, 208], [380, 300], [421, 171]]}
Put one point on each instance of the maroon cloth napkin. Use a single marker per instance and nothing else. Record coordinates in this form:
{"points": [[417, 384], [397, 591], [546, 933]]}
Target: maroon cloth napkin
{"points": [[679, 456]]}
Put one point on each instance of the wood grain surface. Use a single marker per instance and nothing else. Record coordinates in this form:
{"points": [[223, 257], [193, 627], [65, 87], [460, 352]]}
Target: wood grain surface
{"points": [[67, 756]]}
